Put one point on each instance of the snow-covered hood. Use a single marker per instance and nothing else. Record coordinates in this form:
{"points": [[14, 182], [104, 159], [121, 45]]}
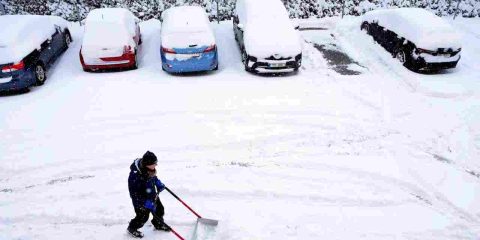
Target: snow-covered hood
{"points": [[267, 39]]}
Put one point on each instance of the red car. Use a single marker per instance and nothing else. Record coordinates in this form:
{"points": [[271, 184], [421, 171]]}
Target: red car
{"points": [[111, 40]]}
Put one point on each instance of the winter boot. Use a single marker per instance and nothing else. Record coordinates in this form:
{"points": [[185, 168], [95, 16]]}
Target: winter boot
{"points": [[162, 227], [135, 233]]}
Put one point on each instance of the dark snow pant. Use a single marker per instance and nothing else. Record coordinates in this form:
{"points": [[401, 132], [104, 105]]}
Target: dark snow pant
{"points": [[142, 215]]}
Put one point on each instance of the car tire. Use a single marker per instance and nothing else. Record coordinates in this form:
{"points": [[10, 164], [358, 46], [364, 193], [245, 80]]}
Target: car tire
{"points": [[68, 40], [245, 61], [140, 41], [365, 27], [135, 63], [401, 56], [40, 74]]}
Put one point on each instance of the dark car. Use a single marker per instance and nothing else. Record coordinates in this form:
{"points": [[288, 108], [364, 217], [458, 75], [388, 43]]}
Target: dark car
{"points": [[431, 45], [28, 48], [266, 37]]}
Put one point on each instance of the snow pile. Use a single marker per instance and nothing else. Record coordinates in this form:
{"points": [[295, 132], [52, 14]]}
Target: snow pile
{"points": [[185, 26], [268, 32], [21, 34], [420, 26]]}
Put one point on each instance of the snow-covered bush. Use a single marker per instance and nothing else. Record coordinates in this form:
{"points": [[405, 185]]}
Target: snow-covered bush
{"points": [[75, 10]]}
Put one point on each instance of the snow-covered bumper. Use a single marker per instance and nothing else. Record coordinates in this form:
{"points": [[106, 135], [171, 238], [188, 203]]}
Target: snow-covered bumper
{"points": [[21, 80], [189, 62], [274, 65], [95, 64], [437, 61]]}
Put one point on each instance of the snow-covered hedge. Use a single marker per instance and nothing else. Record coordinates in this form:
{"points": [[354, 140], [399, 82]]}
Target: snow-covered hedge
{"points": [[75, 10]]}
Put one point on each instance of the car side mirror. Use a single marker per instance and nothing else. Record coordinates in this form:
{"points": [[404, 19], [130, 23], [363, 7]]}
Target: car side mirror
{"points": [[240, 26]]}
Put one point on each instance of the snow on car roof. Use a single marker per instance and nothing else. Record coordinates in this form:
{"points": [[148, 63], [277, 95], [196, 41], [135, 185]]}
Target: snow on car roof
{"points": [[420, 26], [185, 19], [21, 34]]}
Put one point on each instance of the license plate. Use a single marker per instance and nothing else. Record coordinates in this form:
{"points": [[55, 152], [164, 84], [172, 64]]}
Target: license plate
{"points": [[277, 65], [5, 80], [195, 55]]}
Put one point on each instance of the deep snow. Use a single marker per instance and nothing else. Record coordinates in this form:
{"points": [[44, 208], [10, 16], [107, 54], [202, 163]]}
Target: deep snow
{"points": [[387, 154]]}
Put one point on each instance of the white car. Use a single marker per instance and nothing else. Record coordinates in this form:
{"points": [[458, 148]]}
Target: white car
{"points": [[111, 40], [187, 41], [268, 40], [419, 39]]}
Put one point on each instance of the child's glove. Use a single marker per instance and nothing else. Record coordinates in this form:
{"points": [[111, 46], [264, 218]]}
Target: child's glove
{"points": [[160, 185], [149, 205]]}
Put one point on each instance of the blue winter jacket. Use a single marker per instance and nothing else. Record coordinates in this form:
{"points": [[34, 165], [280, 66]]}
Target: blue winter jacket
{"points": [[141, 186]]}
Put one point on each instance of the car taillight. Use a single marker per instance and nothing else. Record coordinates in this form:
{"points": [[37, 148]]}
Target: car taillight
{"points": [[127, 49], [421, 50], [15, 67], [210, 48], [168, 50]]}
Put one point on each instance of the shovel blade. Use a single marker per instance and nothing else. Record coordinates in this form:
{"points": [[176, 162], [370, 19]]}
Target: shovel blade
{"points": [[207, 221], [205, 229]]}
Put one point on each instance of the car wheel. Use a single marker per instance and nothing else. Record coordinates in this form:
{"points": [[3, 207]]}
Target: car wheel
{"points": [[140, 41], [216, 68], [365, 27], [245, 61], [68, 39], [244, 56], [135, 63], [40, 74], [401, 56]]}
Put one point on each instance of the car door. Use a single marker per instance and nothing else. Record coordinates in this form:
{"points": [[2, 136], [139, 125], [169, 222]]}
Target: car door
{"points": [[46, 52], [58, 42]]}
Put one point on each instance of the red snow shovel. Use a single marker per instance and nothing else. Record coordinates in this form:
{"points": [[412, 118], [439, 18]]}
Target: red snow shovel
{"points": [[204, 229]]}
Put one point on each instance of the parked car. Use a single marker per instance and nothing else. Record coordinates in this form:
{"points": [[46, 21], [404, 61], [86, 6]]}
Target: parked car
{"points": [[266, 37], [187, 41], [29, 44], [416, 37], [111, 40]]}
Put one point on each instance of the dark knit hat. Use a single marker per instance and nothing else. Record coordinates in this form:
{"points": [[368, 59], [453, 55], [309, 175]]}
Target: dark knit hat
{"points": [[149, 158]]}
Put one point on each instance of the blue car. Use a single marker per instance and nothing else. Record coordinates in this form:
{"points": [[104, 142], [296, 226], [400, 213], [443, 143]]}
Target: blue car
{"points": [[187, 41], [28, 48]]}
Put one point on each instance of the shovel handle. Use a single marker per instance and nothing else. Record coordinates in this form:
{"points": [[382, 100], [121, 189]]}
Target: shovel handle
{"points": [[184, 204], [174, 232], [171, 229]]}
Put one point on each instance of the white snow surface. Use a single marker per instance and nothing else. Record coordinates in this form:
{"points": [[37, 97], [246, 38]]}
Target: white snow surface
{"points": [[110, 29], [387, 154], [268, 32], [184, 26], [418, 25], [21, 34]]}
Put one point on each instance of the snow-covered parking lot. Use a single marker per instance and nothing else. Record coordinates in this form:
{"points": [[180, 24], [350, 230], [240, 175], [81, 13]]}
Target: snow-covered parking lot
{"points": [[384, 154]]}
